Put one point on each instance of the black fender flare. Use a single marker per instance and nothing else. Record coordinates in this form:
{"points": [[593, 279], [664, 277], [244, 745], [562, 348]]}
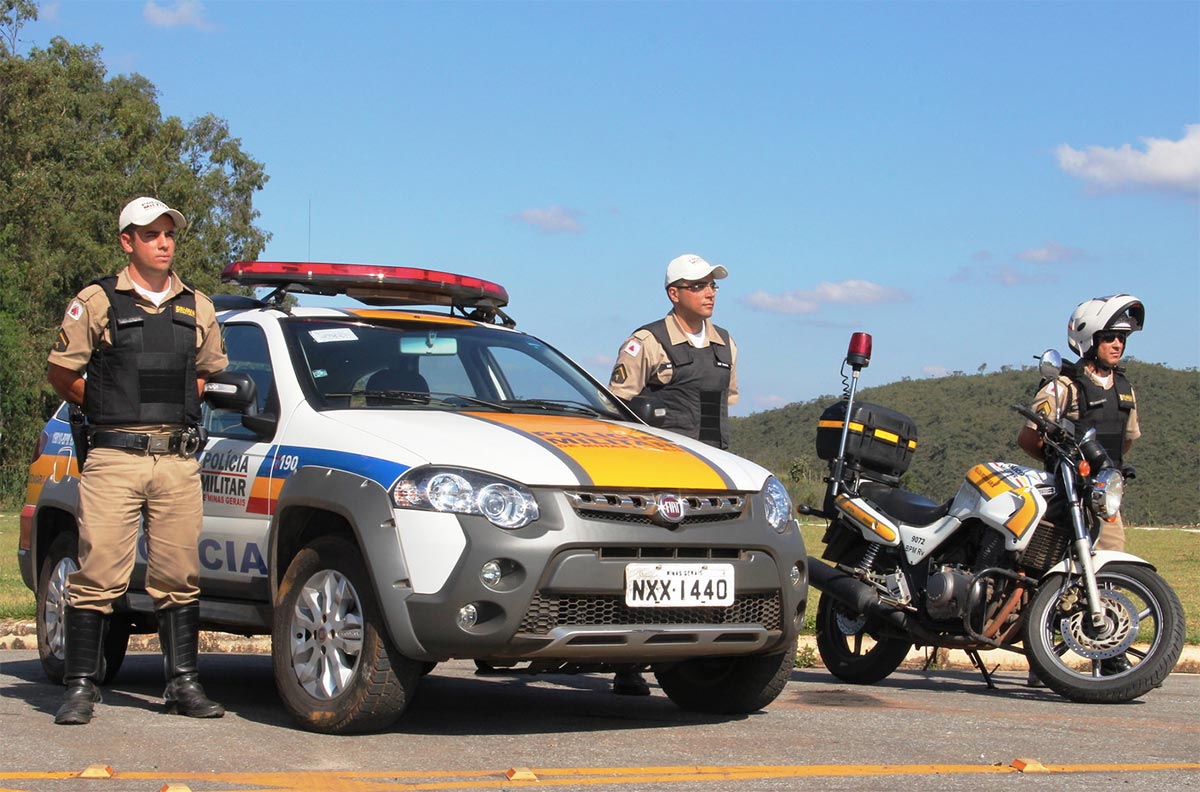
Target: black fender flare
{"points": [[366, 507]]}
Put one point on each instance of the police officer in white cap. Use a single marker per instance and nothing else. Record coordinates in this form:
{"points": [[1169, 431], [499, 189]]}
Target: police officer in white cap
{"points": [[689, 364], [147, 341], [684, 359]]}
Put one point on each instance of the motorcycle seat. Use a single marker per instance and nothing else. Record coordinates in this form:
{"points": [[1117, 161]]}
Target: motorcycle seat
{"points": [[907, 507]]}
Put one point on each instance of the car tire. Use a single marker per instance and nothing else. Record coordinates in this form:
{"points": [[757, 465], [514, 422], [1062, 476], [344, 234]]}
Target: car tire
{"points": [[335, 669], [61, 560], [728, 685]]}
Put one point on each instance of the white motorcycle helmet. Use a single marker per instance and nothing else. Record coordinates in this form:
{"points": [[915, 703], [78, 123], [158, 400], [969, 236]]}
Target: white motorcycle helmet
{"points": [[1122, 312]]}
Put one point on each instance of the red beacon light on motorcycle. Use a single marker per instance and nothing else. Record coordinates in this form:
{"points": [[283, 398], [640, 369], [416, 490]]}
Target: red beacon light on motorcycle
{"points": [[859, 353]]}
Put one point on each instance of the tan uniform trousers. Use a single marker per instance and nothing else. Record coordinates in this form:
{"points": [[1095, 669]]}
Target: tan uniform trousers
{"points": [[115, 487], [1112, 535]]}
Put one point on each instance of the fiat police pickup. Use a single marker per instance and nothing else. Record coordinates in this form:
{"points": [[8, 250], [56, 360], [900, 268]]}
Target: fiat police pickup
{"points": [[386, 488]]}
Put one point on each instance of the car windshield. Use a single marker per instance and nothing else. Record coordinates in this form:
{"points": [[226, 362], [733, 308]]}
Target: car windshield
{"points": [[405, 365]]}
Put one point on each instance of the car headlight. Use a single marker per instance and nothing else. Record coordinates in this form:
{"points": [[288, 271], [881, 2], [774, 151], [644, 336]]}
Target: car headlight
{"points": [[1107, 491], [505, 504], [779, 505]]}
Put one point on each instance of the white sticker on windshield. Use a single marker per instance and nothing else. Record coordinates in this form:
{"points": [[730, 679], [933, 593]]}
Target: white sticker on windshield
{"points": [[325, 335]]}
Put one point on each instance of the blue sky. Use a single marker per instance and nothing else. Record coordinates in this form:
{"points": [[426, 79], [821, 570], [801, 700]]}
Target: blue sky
{"points": [[952, 178]]}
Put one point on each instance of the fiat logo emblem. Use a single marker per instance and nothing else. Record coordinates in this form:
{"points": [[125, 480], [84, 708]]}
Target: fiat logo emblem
{"points": [[670, 508]]}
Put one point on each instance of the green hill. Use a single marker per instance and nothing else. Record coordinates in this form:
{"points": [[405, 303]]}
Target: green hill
{"points": [[966, 419]]}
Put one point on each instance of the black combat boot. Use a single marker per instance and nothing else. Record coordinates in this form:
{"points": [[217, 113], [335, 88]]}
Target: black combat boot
{"points": [[179, 634], [84, 665], [1115, 665]]}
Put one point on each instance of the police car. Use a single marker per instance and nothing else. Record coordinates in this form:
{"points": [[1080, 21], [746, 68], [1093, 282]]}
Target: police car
{"points": [[386, 488]]}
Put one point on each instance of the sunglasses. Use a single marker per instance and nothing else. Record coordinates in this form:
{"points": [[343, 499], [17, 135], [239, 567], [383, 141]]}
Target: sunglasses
{"points": [[697, 287], [1108, 338]]}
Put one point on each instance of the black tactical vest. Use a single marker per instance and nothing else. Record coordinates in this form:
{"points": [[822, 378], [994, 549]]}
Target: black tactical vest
{"points": [[1106, 410], [147, 375], [697, 397]]}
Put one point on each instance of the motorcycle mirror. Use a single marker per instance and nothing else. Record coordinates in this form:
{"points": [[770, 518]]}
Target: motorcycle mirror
{"points": [[859, 353], [1050, 364]]}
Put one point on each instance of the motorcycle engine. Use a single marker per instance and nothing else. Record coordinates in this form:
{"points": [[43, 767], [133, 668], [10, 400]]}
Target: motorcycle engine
{"points": [[946, 593]]}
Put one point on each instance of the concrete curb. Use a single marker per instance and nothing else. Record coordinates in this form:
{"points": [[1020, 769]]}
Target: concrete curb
{"points": [[23, 635]]}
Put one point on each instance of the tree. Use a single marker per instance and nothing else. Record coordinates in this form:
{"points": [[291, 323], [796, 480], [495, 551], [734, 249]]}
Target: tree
{"points": [[74, 147], [13, 16]]}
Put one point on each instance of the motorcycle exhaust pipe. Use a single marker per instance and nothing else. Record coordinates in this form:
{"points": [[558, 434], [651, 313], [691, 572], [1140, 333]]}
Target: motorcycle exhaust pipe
{"points": [[856, 595]]}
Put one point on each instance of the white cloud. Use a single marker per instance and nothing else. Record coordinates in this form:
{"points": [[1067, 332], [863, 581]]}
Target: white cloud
{"points": [[183, 13], [770, 401], [936, 371], [49, 12], [1163, 165], [1052, 253], [803, 301], [552, 220]]}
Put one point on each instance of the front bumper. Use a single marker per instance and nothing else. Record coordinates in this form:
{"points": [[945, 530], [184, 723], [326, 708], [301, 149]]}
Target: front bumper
{"points": [[563, 594]]}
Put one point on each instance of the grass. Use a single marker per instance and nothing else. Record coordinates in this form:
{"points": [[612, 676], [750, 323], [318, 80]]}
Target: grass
{"points": [[16, 601], [1175, 553]]}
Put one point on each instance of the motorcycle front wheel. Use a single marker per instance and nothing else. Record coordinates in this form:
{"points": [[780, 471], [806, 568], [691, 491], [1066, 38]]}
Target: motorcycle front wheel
{"points": [[852, 649], [1122, 659]]}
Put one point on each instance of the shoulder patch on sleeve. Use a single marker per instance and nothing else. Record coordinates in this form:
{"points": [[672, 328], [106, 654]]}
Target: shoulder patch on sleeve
{"points": [[74, 310], [61, 342], [619, 374], [633, 348]]}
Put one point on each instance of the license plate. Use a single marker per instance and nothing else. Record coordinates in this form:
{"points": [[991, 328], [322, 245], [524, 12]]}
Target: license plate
{"points": [[678, 585]]}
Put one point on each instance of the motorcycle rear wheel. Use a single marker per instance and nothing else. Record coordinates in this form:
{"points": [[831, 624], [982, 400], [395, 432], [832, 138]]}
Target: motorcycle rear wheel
{"points": [[1144, 624], [852, 648]]}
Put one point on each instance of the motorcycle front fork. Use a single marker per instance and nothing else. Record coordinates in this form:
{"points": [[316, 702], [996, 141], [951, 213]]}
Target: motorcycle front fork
{"points": [[1083, 545]]}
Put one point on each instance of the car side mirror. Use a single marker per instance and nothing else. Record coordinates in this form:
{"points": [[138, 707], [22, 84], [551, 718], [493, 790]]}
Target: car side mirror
{"points": [[649, 410], [236, 390], [232, 390]]}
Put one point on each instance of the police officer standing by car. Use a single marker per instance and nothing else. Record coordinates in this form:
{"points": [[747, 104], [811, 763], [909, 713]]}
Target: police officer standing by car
{"points": [[688, 363], [147, 341], [1096, 394]]}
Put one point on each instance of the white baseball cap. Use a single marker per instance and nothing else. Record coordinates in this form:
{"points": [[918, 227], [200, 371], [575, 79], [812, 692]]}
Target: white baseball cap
{"points": [[144, 211], [690, 267]]}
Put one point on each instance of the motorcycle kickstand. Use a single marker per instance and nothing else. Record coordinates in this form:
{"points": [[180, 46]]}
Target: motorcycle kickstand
{"points": [[977, 661]]}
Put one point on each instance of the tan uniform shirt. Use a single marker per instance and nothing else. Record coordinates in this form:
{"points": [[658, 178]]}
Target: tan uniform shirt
{"points": [[642, 360], [1057, 399], [85, 326]]}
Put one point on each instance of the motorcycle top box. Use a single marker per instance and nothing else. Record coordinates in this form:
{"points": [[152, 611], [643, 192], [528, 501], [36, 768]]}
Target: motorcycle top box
{"points": [[880, 440]]}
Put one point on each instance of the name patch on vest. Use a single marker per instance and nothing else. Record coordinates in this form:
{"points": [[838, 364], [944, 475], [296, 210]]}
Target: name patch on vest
{"points": [[183, 309]]}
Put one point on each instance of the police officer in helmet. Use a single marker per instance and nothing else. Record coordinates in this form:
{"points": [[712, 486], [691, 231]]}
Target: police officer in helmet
{"points": [[1097, 395], [147, 341]]}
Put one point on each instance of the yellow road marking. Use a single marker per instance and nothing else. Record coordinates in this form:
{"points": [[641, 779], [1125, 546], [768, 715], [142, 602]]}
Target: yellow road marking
{"points": [[410, 781]]}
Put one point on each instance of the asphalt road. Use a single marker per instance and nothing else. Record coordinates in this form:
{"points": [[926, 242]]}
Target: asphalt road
{"points": [[915, 730]]}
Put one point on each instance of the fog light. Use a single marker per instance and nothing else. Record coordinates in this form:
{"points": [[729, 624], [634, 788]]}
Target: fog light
{"points": [[795, 575], [468, 615], [490, 574]]}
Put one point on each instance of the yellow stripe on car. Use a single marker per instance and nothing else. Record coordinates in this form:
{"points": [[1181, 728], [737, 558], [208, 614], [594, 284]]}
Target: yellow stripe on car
{"points": [[615, 456]]}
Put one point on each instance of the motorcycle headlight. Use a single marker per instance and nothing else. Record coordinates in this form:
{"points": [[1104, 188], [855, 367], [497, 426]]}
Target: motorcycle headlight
{"points": [[506, 504], [779, 505], [1107, 492]]}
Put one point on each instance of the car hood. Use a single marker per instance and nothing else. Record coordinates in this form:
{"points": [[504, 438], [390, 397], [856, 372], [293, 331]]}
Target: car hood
{"points": [[536, 449]]}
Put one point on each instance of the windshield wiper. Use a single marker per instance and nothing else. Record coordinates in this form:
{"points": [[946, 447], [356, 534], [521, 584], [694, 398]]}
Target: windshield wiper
{"points": [[566, 405], [440, 399]]}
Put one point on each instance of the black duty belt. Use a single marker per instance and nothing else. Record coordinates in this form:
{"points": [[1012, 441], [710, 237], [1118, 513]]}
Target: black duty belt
{"points": [[156, 443]]}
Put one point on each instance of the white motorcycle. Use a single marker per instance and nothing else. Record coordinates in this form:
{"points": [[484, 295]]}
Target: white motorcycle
{"points": [[1007, 563]]}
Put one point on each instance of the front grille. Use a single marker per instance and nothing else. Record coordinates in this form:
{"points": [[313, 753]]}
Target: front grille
{"points": [[548, 612], [642, 507]]}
